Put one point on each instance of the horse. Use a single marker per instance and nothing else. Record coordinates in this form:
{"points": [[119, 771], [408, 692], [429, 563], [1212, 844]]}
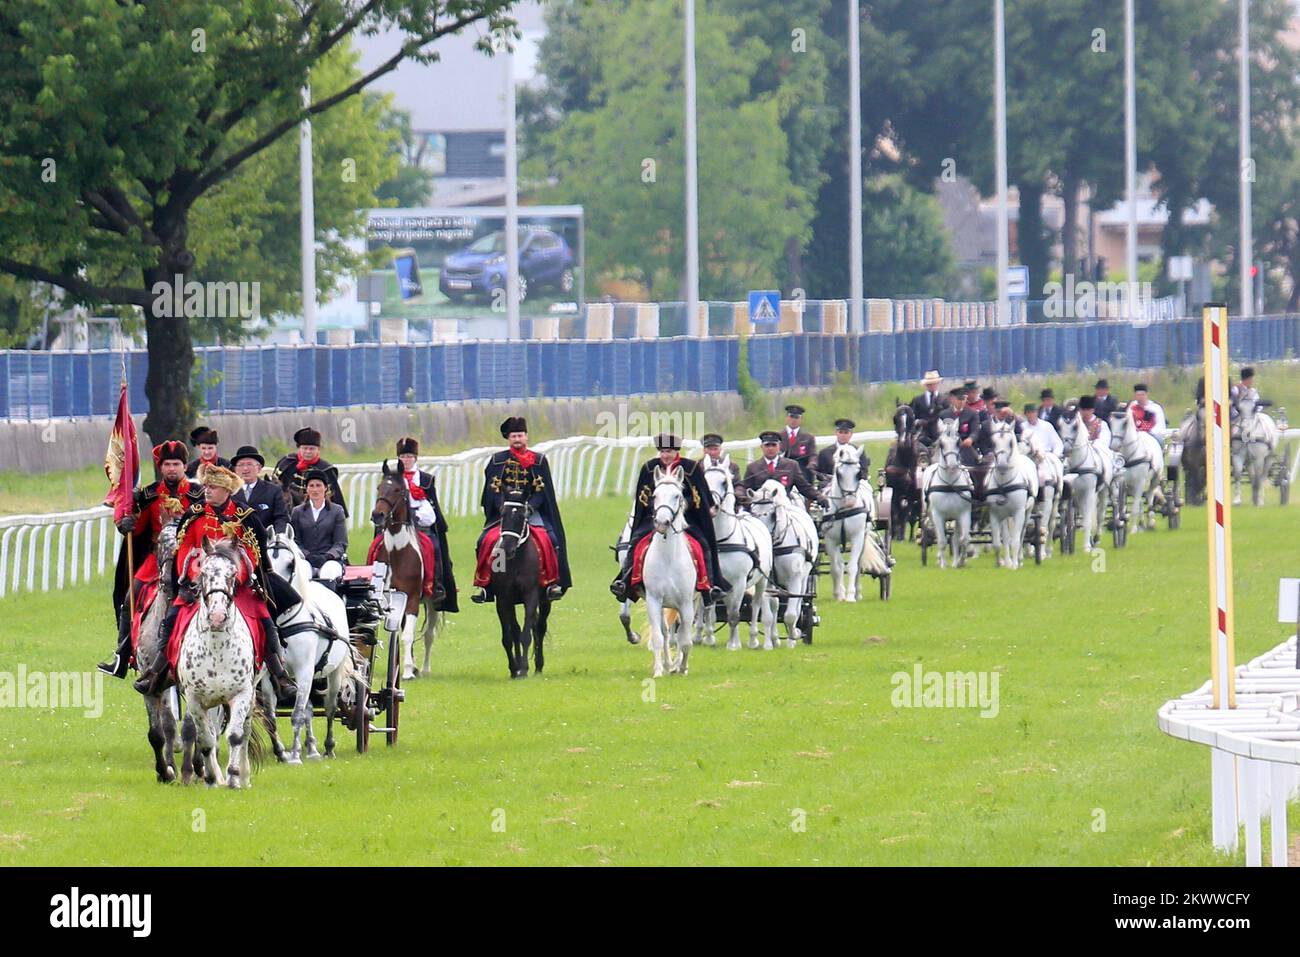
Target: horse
{"points": [[668, 575], [794, 553], [1010, 492], [1051, 476], [516, 581], [1088, 476], [1191, 435], [947, 492], [744, 557], [906, 456], [851, 522], [1143, 462], [1254, 438], [162, 720], [400, 548], [620, 550], [215, 667], [316, 645]]}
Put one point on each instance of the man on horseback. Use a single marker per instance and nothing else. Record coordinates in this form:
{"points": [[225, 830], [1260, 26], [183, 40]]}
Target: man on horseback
{"points": [[698, 514], [1148, 416], [1103, 402], [797, 443], [422, 497], [216, 518], [968, 423], [843, 436], [204, 442], [155, 505], [520, 468], [291, 470], [1098, 428]]}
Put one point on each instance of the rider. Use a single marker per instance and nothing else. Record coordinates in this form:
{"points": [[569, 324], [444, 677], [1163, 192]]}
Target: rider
{"points": [[219, 517], [154, 506], [1047, 435], [774, 465], [968, 423], [698, 512], [1048, 410], [1098, 428], [1245, 389], [320, 529], [713, 453], [519, 467], [265, 498], [928, 405], [1148, 415], [1104, 402], [974, 399], [843, 436], [291, 470], [422, 497], [798, 443], [1001, 413], [204, 442]]}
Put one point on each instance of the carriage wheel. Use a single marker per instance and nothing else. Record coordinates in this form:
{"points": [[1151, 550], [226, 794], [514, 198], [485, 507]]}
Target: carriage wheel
{"points": [[886, 581], [362, 718], [1119, 520], [1068, 529], [806, 618], [1037, 532], [923, 549], [1284, 486], [394, 684]]}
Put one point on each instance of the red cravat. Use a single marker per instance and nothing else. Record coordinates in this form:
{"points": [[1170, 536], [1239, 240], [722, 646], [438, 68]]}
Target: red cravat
{"points": [[771, 467]]}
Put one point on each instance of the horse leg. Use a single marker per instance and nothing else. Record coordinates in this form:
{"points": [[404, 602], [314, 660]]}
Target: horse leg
{"points": [[656, 612], [625, 618], [237, 735], [838, 575], [735, 598], [333, 683], [962, 534], [189, 734], [526, 633], [940, 539], [268, 715], [162, 756], [792, 607], [206, 740], [408, 640], [857, 544], [685, 627], [506, 617], [539, 635]]}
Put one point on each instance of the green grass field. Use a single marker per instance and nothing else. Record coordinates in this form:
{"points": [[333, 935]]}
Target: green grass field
{"points": [[589, 764]]}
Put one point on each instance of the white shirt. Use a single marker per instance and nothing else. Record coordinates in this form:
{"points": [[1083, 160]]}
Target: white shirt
{"points": [[1159, 427], [1102, 442], [1048, 437], [315, 512]]}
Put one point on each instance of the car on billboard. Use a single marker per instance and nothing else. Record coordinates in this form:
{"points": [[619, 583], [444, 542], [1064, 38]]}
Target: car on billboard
{"points": [[545, 259]]}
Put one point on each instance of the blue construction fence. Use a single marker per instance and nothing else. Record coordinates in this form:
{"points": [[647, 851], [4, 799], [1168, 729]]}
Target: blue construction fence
{"points": [[44, 385]]}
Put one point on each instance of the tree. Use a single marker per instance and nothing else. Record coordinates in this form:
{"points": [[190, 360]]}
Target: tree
{"points": [[118, 117], [409, 186]]}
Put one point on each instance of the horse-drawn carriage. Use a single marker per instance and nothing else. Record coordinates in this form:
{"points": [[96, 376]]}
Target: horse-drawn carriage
{"points": [[1279, 466]]}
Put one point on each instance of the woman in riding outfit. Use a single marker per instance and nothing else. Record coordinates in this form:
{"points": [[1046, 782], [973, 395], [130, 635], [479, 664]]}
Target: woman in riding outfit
{"points": [[519, 467], [698, 513], [422, 497], [155, 505], [291, 471], [219, 517]]}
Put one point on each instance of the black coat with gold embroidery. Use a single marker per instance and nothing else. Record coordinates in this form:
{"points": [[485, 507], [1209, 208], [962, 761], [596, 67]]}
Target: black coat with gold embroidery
{"points": [[698, 501], [503, 472]]}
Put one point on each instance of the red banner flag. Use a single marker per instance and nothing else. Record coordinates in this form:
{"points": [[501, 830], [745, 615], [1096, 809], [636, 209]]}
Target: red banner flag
{"points": [[122, 461]]}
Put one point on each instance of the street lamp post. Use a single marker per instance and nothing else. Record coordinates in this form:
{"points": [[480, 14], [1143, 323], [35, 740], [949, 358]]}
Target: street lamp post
{"points": [[1000, 122], [855, 172]]}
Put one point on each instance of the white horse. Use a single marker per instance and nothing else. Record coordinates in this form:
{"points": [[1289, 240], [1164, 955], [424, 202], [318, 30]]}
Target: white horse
{"points": [[1088, 475], [1051, 475], [1254, 438], [1143, 462], [744, 558], [852, 522], [794, 552], [946, 493], [1010, 492], [215, 667], [316, 645], [668, 575]]}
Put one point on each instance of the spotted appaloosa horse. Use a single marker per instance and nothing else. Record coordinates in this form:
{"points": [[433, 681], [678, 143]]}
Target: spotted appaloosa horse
{"points": [[215, 667]]}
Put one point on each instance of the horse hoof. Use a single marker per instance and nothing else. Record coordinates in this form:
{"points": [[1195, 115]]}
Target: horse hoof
{"points": [[330, 754], [733, 646], [314, 756], [167, 777], [293, 760]]}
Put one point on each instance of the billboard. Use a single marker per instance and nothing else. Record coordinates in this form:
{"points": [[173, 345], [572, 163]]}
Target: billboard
{"points": [[449, 263]]}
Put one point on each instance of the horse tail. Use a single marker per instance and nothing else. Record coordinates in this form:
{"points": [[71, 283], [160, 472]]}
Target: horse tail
{"points": [[258, 742], [671, 617]]}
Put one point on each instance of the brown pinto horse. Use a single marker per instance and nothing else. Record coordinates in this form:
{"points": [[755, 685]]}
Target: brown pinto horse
{"points": [[400, 549]]}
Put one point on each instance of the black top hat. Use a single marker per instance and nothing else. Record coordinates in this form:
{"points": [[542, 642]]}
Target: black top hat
{"points": [[1102, 384], [666, 440], [203, 436], [1141, 387], [408, 445], [306, 436], [712, 438], [1047, 394], [769, 436], [1087, 402], [988, 394], [794, 410], [248, 452], [844, 425], [516, 423]]}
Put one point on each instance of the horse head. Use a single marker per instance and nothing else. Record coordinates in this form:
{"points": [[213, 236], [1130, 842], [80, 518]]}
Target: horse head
{"points": [[718, 478], [392, 505], [218, 579], [669, 500], [848, 468], [514, 520], [904, 420], [283, 553], [948, 443]]}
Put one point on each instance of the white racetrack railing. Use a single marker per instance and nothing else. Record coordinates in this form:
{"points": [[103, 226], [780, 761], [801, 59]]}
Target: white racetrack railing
{"points": [[68, 548]]}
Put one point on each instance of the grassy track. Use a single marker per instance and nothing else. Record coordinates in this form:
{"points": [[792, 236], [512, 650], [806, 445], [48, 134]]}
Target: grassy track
{"points": [[715, 768]]}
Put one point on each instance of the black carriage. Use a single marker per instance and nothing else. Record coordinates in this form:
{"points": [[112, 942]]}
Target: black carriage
{"points": [[1034, 536], [882, 527], [1279, 466]]}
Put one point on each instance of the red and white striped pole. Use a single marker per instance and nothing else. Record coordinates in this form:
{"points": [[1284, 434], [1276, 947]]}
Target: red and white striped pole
{"points": [[1218, 475]]}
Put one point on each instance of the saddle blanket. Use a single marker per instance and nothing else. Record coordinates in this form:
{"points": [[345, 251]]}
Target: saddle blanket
{"points": [[697, 555], [426, 553], [548, 563], [246, 603]]}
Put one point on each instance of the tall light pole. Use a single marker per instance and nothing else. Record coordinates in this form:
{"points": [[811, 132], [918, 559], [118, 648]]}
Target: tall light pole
{"points": [[1246, 173], [855, 173], [701, 327], [1130, 157], [512, 199], [307, 224], [1000, 122]]}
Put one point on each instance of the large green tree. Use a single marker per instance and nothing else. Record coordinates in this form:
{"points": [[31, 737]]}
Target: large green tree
{"points": [[119, 116]]}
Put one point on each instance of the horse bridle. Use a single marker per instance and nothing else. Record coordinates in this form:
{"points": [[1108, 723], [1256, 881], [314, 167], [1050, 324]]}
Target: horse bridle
{"points": [[677, 511], [526, 532], [393, 524]]}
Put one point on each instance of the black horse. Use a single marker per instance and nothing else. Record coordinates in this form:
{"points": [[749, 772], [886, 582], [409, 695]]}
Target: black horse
{"points": [[515, 581], [1192, 434], [906, 454]]}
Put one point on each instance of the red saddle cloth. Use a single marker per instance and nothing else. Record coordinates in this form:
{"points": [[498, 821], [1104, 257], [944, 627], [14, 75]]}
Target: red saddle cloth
{"points": [[426, 552], [246, 603], [697, 554], [548, 563]]}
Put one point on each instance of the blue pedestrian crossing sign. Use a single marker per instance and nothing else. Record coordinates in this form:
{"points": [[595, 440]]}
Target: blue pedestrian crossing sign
{"points": [[765, 307]]}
